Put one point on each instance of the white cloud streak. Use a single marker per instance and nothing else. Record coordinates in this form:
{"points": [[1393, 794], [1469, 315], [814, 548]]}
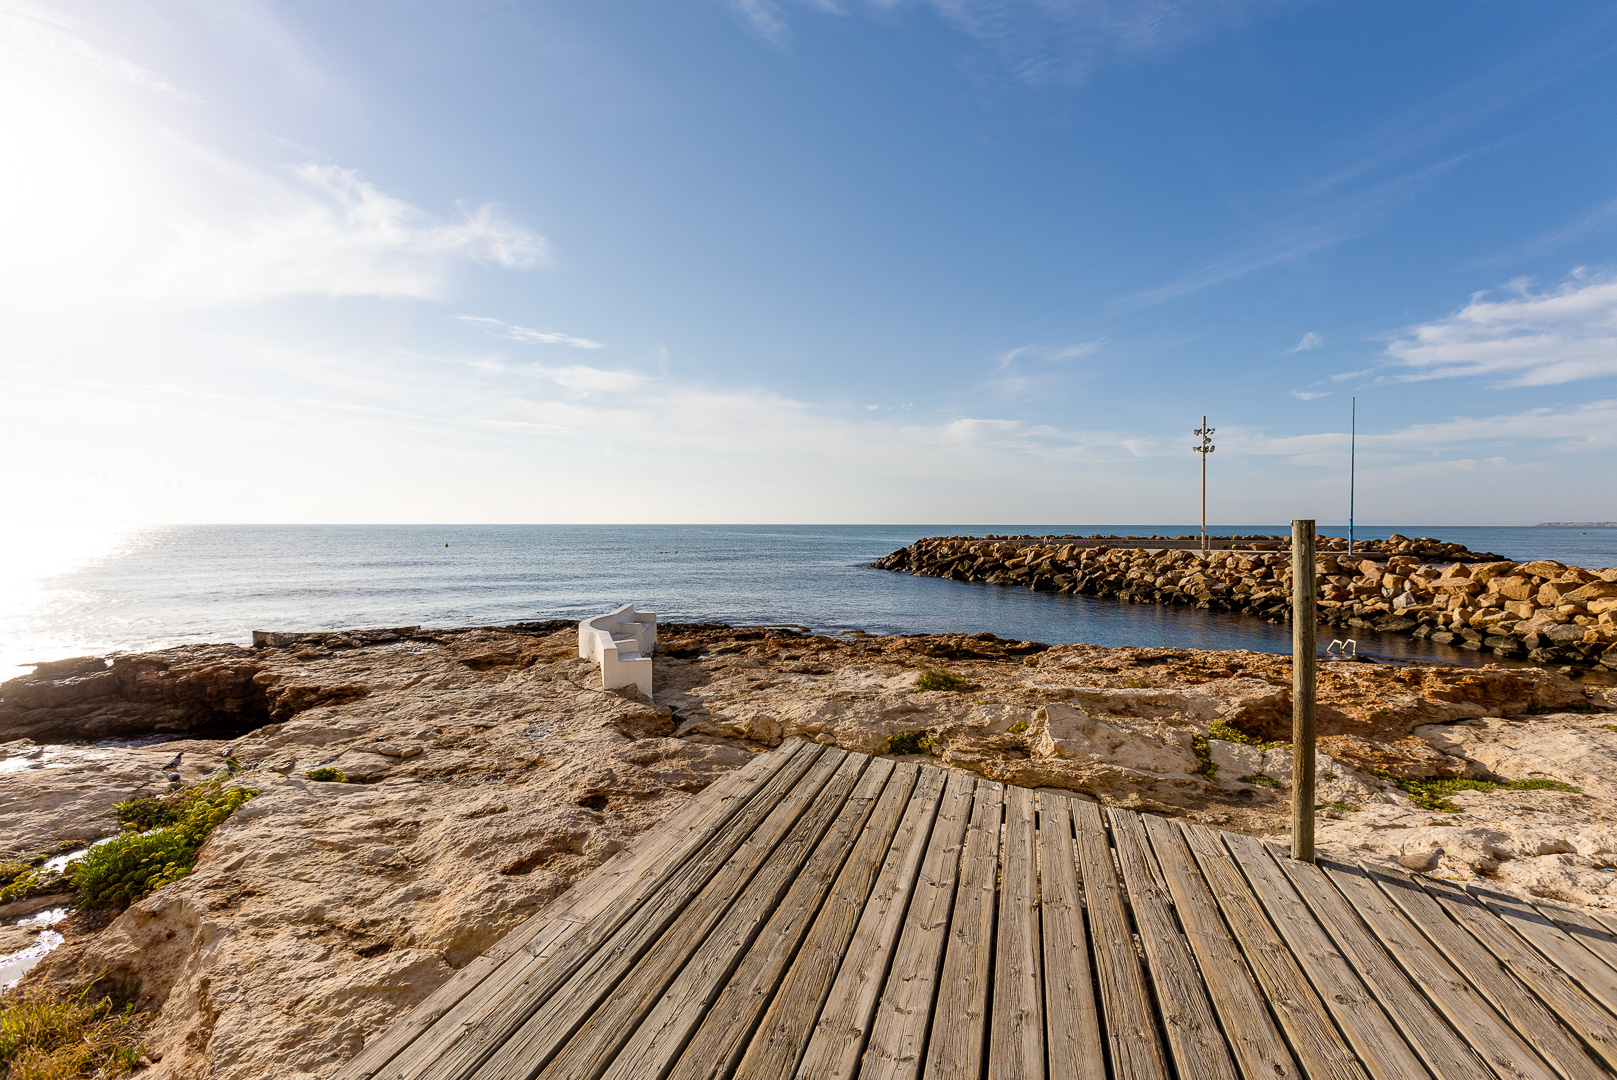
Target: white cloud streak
{"points": [[1533, 338], [1044, 41], [527, 335], [35, 33], [325, 231], [1311, 340]]}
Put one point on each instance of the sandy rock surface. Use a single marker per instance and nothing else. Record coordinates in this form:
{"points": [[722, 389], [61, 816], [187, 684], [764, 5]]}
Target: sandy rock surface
{"points": [[488, 773]]}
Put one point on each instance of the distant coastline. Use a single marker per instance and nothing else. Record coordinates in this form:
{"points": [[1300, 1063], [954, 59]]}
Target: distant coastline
{"points": [[1576, 525]]}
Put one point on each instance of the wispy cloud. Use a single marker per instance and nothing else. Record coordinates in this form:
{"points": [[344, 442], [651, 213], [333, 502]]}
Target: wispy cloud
{"points": [[1033, 369], [1311, 340], [1310, 395], [32, 31], [1590, 426], [527, 335], [328, 232], [1043, 41], [1530, 339], [1303, 233], [1599, 219]]}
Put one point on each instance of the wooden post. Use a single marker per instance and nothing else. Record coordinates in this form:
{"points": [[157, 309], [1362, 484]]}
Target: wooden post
{"points": [[1304, 613]]}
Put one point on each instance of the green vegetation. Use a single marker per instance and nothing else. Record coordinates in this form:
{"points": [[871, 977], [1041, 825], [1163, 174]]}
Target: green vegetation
{"points": [[23, 879], [45, 1035], [1260, 780], [130, 867], [939, 679], [910, 742], [1204, 757], [1219, 729], [327, 775], [1018, 727], [1609, 727], [1430, 794]]}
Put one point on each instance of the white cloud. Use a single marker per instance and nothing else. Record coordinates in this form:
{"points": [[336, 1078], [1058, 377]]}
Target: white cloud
{"points": [[527, 335], [1311, 340], [1043, 41], [36, 33], [1591, 426], [1310, 395], [1035, 369], [112, 205], [327, 232], [1530, 339]]}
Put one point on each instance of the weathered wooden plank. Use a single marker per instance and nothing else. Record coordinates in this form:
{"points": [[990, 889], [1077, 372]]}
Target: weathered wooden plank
{"points": [[1596, 979], [797, 974], [1584, 928], [756, 940], [1377, 1041], [578, 1033], [696, 840], [1130, 1017], [1483, 1030], [1588, 1021], [611, 945], [959, 1037], [1487, 975], [1193, 1035], [1444, 1052], [603, 885], [1072, 1015], [835, 1023], [1016, 1035], [1257, 1045], [904, 1017], [1302, 1013]]}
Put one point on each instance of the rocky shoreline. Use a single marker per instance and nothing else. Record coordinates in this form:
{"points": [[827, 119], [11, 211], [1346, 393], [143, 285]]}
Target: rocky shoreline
{"points": [[486, 772], [1543, 611]]}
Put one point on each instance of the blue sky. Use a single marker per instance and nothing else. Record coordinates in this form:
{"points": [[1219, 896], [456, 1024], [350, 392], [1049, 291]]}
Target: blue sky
{"points": [[807, 260]]}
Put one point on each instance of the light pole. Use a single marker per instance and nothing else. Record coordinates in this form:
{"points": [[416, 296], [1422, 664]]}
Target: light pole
{"points": [[1204, 449], [1353, 454]]}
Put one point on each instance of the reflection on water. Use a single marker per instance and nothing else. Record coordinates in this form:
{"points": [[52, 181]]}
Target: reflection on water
{"points": [[75, 592], [15, 965]]}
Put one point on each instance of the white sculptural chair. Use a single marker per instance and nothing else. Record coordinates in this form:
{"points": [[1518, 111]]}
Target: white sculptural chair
{"points": [[622, 641]]}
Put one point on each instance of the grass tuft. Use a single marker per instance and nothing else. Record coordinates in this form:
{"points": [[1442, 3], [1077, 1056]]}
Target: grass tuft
{"points": [[1431, 794], [45, 1035], [326, 774], [910, 742], [138, 863], [1018, 727], [1220, 729], [939, 679], [1204, 757], [1260, 780]]}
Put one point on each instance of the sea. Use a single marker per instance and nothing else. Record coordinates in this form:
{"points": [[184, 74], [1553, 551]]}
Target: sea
{"points": [[81, 590]]}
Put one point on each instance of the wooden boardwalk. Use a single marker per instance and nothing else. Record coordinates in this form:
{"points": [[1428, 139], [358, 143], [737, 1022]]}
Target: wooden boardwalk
{"points": [[821, 914]]}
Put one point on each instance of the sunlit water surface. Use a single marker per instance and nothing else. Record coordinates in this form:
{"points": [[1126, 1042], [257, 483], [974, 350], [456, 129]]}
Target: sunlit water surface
{"points": [[75, 591]]}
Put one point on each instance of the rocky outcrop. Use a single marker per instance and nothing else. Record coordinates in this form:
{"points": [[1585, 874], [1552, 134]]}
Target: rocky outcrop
{"points": [[487, 772], [1542, 610]]}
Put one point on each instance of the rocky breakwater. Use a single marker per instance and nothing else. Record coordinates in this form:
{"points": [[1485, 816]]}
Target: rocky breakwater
{"points": [[421, 792], [1544, 611]]}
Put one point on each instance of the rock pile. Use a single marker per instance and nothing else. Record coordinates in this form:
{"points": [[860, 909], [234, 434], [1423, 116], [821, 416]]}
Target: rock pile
{"points": [[1543, 610]]}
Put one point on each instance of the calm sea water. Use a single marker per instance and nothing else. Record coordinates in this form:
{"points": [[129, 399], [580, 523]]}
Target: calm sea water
{"points": [[73, 591]]}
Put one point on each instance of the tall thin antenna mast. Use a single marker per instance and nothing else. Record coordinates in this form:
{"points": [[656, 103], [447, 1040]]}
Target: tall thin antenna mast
{"points": [[1353, 453], [1204, 449]]}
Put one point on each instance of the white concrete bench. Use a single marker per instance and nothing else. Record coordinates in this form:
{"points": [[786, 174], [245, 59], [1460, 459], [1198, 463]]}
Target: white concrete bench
{"points": [[622, 641]]}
